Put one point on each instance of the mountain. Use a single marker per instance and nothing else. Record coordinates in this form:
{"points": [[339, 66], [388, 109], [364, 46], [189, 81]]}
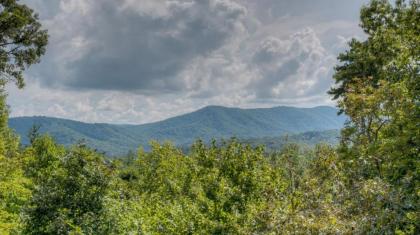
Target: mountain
{"points": [[207, 123]]}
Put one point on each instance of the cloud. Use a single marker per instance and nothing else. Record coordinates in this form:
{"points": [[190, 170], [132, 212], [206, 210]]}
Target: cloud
{"points": [[294, 67], [269, 10], [137, 61], [132, 45]]}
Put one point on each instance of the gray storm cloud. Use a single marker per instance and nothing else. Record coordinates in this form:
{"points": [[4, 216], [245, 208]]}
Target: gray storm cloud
{"points": [[134, 46]]}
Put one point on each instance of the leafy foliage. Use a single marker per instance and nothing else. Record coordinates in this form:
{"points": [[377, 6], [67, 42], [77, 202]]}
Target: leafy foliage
{"points": [[379, 91], [22, 41], [69, 189], [14, 190], [369, 184]]}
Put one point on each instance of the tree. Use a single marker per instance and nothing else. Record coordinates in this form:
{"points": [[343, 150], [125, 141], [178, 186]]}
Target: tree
{"points": [[22, 41], [8, 140], [392, 47], [378, 89], [14, 190], [69, 190], [34, 133]]}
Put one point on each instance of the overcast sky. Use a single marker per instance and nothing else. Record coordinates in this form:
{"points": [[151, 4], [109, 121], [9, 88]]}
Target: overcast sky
{"points": [[137, 61]]}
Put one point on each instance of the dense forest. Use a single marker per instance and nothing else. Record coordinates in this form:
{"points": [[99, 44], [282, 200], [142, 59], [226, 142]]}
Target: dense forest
{"points": [[368, 184]]}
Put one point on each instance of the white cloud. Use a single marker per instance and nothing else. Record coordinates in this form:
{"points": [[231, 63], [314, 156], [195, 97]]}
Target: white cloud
{"points": [[137, 61]]}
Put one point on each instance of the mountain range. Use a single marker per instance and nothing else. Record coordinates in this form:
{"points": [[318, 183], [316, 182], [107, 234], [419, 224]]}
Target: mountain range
{"points": [[211, 122]]}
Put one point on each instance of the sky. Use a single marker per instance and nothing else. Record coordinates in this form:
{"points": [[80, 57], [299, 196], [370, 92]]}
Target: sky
{"points": [[139, 61]]}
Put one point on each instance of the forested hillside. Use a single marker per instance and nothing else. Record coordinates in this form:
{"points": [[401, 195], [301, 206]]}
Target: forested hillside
{"points": [[206, 124], [309, 139], [368, 184]]}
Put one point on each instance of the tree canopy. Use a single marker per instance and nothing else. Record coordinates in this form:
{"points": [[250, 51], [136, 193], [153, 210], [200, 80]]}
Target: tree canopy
{"points": [[22, 41]]}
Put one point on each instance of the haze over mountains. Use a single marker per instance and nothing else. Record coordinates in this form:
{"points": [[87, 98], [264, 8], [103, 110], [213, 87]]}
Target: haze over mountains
{"points": [[207, 123]]}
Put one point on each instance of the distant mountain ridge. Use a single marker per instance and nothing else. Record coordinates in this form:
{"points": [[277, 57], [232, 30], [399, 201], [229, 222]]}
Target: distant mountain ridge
{"points": [[206, 123]]}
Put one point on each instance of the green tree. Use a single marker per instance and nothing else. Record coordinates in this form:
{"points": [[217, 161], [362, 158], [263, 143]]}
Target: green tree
{"points": [[378, 89], [34, 133], [22, 41], [9, 141], [392, 47], [15, 191], [69, 190], [14, 186]]}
